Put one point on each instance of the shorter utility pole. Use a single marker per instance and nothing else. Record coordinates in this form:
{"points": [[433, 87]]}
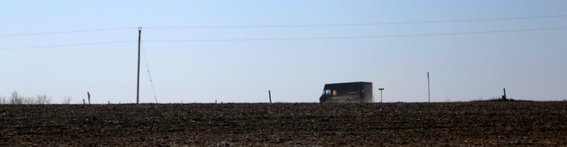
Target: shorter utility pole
{"points": [[428, 89], [270, 95], [381, 89], [504, 96]]}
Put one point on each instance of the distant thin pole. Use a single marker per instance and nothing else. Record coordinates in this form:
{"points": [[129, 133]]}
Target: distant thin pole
{"points": [[89, 97], [270, 95], [504, 96], [428, 88], [138, 75], [381, 89], [381, 96]]}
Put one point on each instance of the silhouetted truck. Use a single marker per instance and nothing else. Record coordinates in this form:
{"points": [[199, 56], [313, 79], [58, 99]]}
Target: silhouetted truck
{"points": [[353, 92]]}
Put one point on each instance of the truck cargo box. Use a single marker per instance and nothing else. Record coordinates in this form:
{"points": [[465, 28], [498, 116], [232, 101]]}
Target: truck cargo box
{"points": [[352, 92]]}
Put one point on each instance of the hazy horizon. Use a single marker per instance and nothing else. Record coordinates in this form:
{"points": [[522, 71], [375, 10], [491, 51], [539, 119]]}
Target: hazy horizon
{"points": [[235, 51]]}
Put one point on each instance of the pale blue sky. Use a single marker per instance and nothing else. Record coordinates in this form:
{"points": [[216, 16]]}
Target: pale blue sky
{"points": [[467, 66]]}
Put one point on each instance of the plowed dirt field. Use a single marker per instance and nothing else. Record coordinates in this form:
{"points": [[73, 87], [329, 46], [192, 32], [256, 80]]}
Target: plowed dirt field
{"points": [[283, 124]]}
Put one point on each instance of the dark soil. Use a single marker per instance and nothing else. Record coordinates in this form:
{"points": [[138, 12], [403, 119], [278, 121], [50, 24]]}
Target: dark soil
{"points": [[412, 124]]}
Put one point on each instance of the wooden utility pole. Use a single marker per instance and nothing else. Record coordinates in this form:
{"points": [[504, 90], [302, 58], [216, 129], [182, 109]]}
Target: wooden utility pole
{"points": [[138, 75]]}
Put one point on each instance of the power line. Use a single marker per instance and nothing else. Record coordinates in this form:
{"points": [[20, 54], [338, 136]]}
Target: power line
{"points": [[362, 37], [360, 24], [67, 45], [303, 38], [66, 32], [291, 26]]}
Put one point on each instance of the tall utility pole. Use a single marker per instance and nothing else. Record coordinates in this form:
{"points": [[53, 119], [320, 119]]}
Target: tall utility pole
{"points": [[138, 79], [428, 88]]}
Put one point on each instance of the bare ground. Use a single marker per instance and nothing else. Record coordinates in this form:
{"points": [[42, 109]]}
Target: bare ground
{"points": [[453, 124]]}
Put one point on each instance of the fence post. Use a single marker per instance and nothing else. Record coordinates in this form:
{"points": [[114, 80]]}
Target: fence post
{"points": [[270, 95]]}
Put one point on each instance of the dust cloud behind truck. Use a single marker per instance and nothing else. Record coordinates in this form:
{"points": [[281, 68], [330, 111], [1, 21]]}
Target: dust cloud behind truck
{"points": [[352, 92]]}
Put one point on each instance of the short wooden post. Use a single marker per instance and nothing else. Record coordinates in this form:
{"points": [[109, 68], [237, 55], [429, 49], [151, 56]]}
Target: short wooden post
{"points": [[89, 97], [270, 96]]}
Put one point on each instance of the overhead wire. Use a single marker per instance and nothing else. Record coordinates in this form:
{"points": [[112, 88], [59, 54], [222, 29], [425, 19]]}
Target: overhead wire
{"points": [[292, 26], [365, 37], [360, 24], [302, 38], [67, 45], [295, 38], [66, 32]]}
